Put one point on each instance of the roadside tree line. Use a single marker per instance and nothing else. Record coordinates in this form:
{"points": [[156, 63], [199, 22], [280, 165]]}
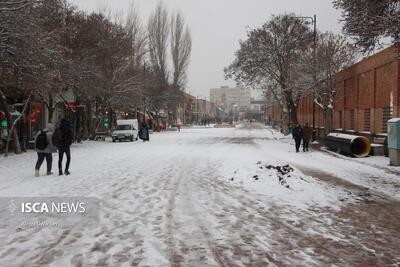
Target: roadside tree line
{"points": [[280, 58], [48, 47]]}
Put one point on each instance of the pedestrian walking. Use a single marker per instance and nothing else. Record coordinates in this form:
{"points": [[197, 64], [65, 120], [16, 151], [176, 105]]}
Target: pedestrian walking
{"points": [[44, 148], [62, 138], [298, 135], [308, 131], [178, 124], [143, 130]]}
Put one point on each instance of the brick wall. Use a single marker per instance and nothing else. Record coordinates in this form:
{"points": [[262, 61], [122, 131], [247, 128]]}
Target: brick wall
{"points": [[370, 90], [367, 94]]}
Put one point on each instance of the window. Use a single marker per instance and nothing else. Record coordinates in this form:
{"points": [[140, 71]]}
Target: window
{"points": [[387, 114], [124, 127], [352, 120], [367, 119]]}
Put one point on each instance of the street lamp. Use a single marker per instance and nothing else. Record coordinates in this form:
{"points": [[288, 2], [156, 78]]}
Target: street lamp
{"points": [[314, 23]]}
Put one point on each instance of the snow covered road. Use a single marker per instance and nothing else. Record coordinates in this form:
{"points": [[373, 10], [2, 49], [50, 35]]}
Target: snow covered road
{"points": [[210, 197]]}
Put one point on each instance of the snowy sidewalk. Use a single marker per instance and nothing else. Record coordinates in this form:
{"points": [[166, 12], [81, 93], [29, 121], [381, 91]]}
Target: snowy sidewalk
{"points": [[209, 197]]}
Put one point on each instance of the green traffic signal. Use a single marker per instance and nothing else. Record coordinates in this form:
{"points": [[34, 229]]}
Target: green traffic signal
{"points": [[4, 124]]}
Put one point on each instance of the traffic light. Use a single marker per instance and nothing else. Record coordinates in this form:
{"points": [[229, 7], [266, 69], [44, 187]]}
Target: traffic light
{"points": [[105, 122], [3, 120]]}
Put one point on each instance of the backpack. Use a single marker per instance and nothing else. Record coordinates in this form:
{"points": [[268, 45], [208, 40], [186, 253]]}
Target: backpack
{"points": [[56, 139], [41, 140]]}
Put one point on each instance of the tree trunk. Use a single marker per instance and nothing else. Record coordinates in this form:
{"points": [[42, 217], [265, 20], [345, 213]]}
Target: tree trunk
{"points": [[96, 124], [292, 109], [293, 115], [157, 122], [285, 123], [85, 123], [110, 120], [328, 113], [50, 108], [17, 148]]}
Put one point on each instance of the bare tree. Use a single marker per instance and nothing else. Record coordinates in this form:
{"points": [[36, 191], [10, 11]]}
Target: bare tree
{"points": [[181, 47], [30, 54], [158, 34], [333, 54], [137, 36], [370, 21], [14, 5], [12, 33], [270, 59], [48, 47]]}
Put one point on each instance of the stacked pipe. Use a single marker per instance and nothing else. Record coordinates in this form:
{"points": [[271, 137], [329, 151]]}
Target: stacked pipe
{"points": [[357, 146]]}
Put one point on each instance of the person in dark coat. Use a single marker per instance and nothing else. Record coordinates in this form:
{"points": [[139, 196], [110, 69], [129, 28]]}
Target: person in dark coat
{"points": [[298, 135], [45, 152], [307, 137], [64, 140], [143, 130], [21, 134]]}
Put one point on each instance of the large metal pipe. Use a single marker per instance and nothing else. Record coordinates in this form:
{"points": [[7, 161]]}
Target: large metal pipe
{"points": [[357, 146]]}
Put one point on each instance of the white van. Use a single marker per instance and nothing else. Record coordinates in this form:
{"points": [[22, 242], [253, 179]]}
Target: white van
{"points": [[126, 130]]}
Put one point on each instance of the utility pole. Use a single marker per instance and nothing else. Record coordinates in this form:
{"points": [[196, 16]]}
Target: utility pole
{"points": [[314, 23], [144, 98], [198, 109], [315, 72]]}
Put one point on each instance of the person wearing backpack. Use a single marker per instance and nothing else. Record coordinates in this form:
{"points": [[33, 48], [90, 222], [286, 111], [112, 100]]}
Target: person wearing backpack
{"points": [[63, 139], [44, 148]]}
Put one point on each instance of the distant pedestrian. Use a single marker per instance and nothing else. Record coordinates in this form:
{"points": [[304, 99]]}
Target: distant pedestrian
{"points": [[298, 135], [62, 138], [308, 131], [143, 130], [44, 148], [21, 134], [178, 124]]}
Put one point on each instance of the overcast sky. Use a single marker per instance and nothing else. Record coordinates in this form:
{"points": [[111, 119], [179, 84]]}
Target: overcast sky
{"points": [[218, 25]]}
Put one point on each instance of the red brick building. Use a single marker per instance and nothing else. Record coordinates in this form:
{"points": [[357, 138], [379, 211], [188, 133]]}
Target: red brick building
{"points": [[367, 96], [306, 110]]}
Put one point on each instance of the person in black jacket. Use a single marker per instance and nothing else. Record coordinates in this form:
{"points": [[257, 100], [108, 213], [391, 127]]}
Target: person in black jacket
{"points": [[63, 137], [298, 135], [143, 130]]}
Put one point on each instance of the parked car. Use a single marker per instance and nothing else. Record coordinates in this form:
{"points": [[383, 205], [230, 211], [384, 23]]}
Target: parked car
{"points": [[126, 130]]}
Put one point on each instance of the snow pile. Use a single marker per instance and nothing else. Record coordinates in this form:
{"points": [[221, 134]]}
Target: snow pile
{"points": [[286, 185]]}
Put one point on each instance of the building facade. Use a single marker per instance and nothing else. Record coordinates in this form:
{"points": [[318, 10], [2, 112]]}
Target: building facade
{"points": [[231, 98], [367, 96], [257, 110]]}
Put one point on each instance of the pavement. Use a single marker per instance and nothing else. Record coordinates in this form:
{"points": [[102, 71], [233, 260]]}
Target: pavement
{"points": [[202, 197]]}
